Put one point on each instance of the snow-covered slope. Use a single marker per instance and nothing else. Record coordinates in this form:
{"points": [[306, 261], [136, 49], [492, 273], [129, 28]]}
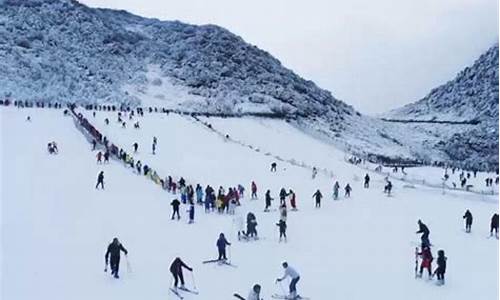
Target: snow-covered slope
{"points": [[56, 226]]}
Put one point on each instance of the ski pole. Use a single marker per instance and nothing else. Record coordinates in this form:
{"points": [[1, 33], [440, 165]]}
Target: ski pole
{"points": [[194, 282], [229, 252], [129, 267]]}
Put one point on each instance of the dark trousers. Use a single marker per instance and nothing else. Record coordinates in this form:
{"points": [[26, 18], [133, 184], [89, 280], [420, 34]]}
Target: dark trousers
{"points": [[318, 203], [222, 253], [176, 211], [115, 266], [178, 276], [100, 182], [282, 234], [293, 284], [440, 274]]}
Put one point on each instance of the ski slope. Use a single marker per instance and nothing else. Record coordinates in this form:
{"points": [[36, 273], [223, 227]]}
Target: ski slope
{"points": [[56, 226]]}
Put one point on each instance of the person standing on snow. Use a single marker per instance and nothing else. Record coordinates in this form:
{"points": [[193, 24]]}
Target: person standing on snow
{"points": [[367, 181], [348, 190], [113, 257], [199, 194], [427, 259], [273, 167], [282, 228], [283, 195], [468, 221], [336, 188], [268, 200], [100, 180], [99, 157], [191, 213], [293, 200], [317, 196], [221, 246], [314, 172], [294, 276], [175, 208], [441, 269], [254, 190], [136, 146], [176, 270], [254, 293], [422, 228], [494, 225]]}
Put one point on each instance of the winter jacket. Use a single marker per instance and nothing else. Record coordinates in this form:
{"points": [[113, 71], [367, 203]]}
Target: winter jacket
{"points": [[177, 265], [114, 251], [222, 243]]}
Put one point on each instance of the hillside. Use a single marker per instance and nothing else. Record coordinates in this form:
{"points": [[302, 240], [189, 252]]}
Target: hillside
{"points": [[471, 97], [63, 51]]}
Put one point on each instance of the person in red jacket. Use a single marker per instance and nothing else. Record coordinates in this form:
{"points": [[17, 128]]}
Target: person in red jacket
{"points": [[427, 259], [293, 202], [254, 190]]}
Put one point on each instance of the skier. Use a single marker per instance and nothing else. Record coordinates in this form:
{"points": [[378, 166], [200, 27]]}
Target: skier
{"points": [[113, 254], [293, 201], [336, 188], [136, 146], [199, 194], [295, 277], [221, 246], [176, 270], [283, 195], [241, 191], [100, 180], [106, 157], [468, 221], [153, 148], [282, 227], [99, 157], [494, 225], [175, 208], [191, 213], [367, 181], [94, 144], [314, 172], [268, 200], [283, 212], [254, 293], [254, 190], [425, 233], [273, 167], [441, 269], [251, 225], [348, 190], [317, 196], [427, 259], [388, 187]]}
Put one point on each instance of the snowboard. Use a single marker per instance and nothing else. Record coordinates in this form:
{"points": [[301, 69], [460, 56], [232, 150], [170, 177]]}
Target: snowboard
{"points": [[298, 297]]}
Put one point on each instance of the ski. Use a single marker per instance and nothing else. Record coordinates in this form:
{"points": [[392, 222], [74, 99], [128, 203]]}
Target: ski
{"points": [[298, 297], [188, 290], [238, 296], [176, 293], [228, 264], [211, 261]]}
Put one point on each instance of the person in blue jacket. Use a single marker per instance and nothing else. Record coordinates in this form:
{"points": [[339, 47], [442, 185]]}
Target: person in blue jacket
{"points": [[199, 194], [221, 246]]}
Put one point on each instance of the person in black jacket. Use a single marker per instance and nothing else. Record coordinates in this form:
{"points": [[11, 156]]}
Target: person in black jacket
{"points": [[422, 228], [100, 180], [468, 221], [494, 225], [317, 196], [268, 200], [113, 254], [176, 270], [221, 246], [367, 181], [441, 269], [175, 207], [282, 226]]}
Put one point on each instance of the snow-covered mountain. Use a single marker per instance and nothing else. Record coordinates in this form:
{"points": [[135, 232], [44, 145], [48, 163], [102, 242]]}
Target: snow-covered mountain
{"points": [[63, 51], [471, 97]]}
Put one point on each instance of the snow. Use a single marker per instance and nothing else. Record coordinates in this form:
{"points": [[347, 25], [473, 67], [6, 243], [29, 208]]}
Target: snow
{"points": [[56, 226]]}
